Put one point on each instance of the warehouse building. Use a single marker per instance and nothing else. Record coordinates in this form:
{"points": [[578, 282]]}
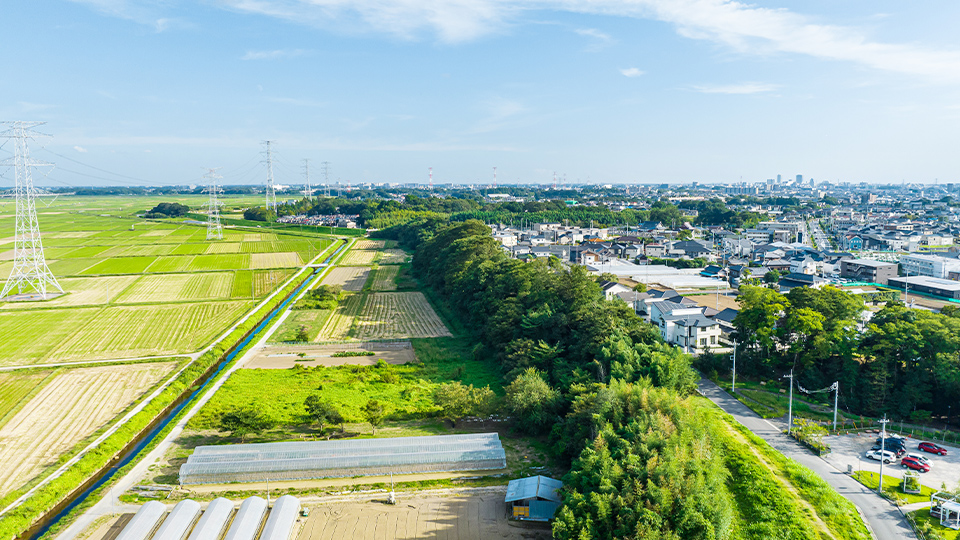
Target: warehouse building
{"points": [[346, 458], [928, 285]]}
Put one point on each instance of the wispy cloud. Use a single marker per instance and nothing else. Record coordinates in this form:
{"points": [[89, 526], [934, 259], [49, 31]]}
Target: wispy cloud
{"points": [[632, 72], [273, 55], [296, 102], [500, 113], [742, 88], [80, 149], [600, 39]]}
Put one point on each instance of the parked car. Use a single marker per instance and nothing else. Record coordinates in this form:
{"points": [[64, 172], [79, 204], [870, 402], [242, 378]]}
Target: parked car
{"points": [[921, 459], [892, 445], [912, 463], [932, 448], [888, 457]]}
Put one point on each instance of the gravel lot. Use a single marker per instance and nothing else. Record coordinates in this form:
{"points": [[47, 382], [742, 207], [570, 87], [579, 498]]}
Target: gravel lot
{"points": [[850, 449]]}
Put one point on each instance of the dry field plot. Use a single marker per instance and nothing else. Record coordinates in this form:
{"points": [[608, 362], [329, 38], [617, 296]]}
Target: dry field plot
{"points": [[288, 356], [478, 515], [133, 331], [274, 260], [178, 287], [360, 257], [351, 278], [26, 337], [338, 324], [73, 405], [393, 256], [399, 315], [385, 278], [81, 292], [363, 243]]}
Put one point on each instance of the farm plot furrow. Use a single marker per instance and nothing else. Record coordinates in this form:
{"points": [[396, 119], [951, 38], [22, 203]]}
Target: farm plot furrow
{"points": [[179, 287], [120, 265], [89, 291], [393, 256], [132, 331], [338, 324], [224, 247], [227, 261], [15, 386], [385, 278], [359, 257], [170, 264], [399, 315], [274, 260], [364, 243], [268, 280], [69, 408], [27, 336], [350, 278]]}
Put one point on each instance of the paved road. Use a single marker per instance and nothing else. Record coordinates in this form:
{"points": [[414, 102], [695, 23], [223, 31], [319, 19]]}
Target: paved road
{"points": [[884, 518]]}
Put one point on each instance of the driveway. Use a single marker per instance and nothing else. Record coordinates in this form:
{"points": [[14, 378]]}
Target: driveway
{"points": [[883, 518], [849, 450]]}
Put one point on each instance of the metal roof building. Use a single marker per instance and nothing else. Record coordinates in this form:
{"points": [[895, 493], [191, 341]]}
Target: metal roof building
{"points": [[180, 521], [328, 459], [534, 498], [213, 521], [144, 522], [282, 517], [246, 524]]}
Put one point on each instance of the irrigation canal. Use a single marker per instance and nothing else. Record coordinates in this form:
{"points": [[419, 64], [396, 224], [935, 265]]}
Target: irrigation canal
{"points": [[130, 453]]}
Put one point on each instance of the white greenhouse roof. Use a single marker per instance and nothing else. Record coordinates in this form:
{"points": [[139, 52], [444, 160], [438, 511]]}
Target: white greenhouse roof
{"points": [[533, 487]]}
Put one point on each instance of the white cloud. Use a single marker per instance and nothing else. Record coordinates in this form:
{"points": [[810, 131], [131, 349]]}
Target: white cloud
{"points": [[80, 149], [273, 55], [742, 88], [632, 72], [744, 27]]}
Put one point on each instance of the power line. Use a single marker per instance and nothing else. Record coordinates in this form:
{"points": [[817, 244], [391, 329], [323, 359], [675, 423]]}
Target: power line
{"points": [[96, 168]]}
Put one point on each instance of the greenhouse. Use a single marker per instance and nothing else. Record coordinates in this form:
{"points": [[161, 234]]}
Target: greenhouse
{"points": [[329, 459], [282, 517], [180, 521], [144, 522], [246, 524], [214, 520]]}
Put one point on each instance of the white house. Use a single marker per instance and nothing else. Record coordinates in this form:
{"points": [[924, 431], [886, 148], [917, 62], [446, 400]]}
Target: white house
{"points": [[686, 326]]}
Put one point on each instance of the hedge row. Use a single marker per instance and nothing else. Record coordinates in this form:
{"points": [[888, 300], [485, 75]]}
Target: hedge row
{"points": [[44, 499]]}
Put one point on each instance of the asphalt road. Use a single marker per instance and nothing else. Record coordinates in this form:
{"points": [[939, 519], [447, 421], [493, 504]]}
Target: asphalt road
{"points": [[883, 518]]}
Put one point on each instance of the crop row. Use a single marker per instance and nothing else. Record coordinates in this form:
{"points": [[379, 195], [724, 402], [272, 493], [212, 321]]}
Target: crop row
{"points": [[385, 278], [393, 256], [360, 257], [338, 324], [399, 315]]}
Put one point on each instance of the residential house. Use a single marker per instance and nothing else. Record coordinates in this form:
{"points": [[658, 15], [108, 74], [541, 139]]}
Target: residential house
{"points": [[686, 326]]}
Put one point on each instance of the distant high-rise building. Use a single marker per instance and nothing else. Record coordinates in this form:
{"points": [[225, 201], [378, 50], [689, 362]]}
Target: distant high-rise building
{"points": [[778, 179], [799, 178]]}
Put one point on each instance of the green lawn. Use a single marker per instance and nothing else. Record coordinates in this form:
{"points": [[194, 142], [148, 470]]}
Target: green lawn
{"points": [[930, 526], [893, 485]]}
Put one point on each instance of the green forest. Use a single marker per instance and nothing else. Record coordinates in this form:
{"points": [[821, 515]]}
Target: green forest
{"points": [[648, 458], [904, 363]]}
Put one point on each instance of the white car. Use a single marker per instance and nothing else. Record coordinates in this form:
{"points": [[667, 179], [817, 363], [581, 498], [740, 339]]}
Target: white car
{"points": [[921, 459], [888, 457]]}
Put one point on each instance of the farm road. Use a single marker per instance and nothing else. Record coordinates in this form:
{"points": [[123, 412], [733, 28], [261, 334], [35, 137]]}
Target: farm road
{"points": [[192, 356], [883, 518]]}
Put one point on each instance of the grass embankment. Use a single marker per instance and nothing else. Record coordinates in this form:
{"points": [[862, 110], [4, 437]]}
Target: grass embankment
{"points": [[780, 492], [893, 487], [21, 518], [769, 402], [930, 526]]}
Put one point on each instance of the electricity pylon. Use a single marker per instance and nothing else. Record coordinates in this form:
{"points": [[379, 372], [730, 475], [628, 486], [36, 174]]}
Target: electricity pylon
{"points": [[271, 202], [214, 230], [29, 265], [307, 191]]}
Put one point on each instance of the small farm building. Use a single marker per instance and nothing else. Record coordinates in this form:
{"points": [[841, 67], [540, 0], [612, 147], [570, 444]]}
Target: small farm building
{"points": [[534, 498], [345, 458]]}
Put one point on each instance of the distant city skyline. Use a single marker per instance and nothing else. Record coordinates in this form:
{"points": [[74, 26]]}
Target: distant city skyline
{"points": [[138, 92]]}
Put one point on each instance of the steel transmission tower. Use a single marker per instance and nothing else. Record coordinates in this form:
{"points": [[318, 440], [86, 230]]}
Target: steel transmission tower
{"points": [[307, 192], [326, 177], [214, 230], [29, 266], [271, 193]]}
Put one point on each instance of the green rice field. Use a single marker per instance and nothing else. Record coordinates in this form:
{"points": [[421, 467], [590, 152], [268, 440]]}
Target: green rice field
{"points": [[136, 287]]}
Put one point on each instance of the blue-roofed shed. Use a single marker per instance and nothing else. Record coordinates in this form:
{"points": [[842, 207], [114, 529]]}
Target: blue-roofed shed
{"points": [[534, 498]]}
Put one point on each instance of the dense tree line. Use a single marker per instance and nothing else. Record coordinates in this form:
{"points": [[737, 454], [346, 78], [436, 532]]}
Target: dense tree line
{"points": [[716, 212], [904, 362]]}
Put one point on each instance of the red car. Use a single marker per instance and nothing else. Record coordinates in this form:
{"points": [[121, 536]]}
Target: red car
{"points": [[932, 448], [915, 464]]}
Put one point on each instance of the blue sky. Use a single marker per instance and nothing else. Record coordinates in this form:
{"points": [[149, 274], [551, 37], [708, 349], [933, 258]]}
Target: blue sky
{"points": [[605, 91]]}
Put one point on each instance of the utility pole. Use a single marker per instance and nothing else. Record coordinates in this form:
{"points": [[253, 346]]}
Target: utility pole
{"points": [[271, 195], [733, 383], [883, 451], [790, 407], [836, 401], [29, 265], [214, 230]]}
